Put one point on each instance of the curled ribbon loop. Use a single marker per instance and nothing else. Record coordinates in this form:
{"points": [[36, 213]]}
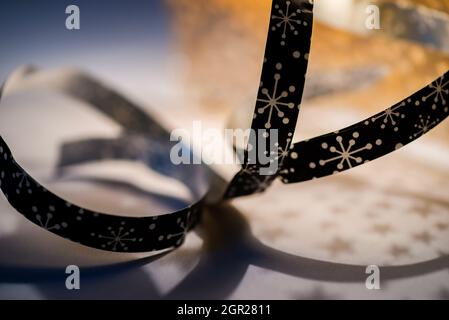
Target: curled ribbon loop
{"points": [[277, 108]]}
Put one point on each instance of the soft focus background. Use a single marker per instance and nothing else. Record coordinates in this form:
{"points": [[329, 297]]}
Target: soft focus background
{"points": [[186, 60]]}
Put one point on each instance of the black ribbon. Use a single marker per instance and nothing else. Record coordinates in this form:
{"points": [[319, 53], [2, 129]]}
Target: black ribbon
{"points": [[277, 107]]}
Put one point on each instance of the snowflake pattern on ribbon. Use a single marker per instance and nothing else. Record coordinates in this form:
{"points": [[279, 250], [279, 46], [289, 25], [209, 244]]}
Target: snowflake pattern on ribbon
{"points": [[346, 154], [117, 238], [277, 107], [281, 87], [402, 123], [84, 226], [287, 19]]}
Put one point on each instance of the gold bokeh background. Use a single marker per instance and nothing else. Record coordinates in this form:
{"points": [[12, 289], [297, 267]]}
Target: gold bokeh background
{"points": [[224, 40]]}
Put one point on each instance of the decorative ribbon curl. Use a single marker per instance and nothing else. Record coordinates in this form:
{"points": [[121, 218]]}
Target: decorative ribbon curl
{"points": [[277, 107]]}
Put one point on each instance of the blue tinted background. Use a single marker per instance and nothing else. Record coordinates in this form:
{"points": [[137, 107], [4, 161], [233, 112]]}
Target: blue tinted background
{"points": [[114, 33]]}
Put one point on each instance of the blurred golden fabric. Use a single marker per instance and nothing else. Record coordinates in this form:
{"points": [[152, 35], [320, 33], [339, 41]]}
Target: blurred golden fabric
{"points": [[442, 5], [223, 41]]}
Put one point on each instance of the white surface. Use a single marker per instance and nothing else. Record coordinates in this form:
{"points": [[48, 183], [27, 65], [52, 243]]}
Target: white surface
{"points": [[390, 212]]}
